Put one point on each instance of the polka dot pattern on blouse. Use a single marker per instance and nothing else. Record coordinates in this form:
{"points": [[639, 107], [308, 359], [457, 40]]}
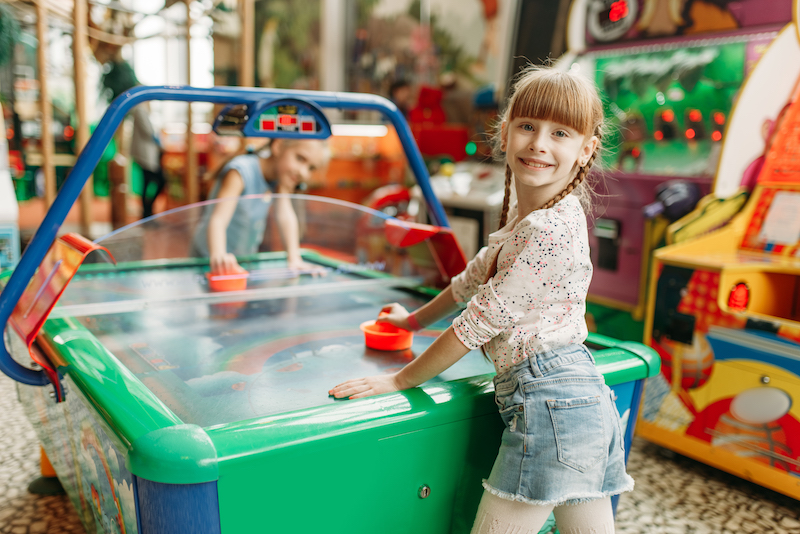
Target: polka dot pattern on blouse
{"points": [[536, 300]]}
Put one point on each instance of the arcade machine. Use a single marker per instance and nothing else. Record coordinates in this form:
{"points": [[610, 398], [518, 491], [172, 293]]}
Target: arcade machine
{"points": [[9, 211], [725, 319], [669, 74], [172, 400], [434, 135]]}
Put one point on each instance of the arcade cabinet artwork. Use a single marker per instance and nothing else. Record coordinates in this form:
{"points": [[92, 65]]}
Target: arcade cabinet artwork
{"points": [[670, 75], [725, 319]]}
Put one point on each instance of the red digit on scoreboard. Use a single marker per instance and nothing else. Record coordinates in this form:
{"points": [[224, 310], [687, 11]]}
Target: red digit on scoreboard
{"points": [[619, 10]]}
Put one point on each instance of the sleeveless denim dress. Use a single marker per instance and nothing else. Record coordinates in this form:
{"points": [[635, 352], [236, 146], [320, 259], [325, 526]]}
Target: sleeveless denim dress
{"points": [[246, 228]]}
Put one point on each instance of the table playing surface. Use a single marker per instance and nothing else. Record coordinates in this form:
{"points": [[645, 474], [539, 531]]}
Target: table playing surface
{"points": [[216, 358]]}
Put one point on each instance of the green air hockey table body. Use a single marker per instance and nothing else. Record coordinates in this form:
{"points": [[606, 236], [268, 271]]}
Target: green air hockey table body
{"points": [[204, 417], [167, 407]]}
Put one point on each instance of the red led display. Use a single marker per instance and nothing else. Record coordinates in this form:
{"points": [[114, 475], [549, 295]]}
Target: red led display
{"points": [[288, 118], [719, 117], [619, 10], [658, 135], [716, 135], [668, 115], [739, 297], [695, 115], [690, 133]]}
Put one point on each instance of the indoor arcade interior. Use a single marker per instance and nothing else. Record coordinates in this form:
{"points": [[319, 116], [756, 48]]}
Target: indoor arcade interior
{"points": [[164, 372]]}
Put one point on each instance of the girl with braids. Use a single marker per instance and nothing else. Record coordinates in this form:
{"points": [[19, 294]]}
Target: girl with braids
{"points": [[562, 448]]}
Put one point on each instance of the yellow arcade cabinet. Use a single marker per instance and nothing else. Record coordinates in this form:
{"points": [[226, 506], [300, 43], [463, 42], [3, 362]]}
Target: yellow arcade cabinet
{"points": [[725, 317]]}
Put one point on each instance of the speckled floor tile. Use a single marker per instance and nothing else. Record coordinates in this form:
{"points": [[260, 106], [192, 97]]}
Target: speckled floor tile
{"points": [[20, 511], [676, 494], [673, 495]]}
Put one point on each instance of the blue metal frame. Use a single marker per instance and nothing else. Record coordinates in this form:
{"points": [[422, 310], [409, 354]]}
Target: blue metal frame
{"points": [[87, 161]]}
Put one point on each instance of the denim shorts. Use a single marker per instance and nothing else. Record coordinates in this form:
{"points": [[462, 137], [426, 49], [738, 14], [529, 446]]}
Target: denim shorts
{"points": [[563, 441]]}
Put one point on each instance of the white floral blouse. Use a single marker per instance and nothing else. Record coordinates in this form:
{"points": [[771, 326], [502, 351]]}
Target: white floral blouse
{"points": [[536, 301]]}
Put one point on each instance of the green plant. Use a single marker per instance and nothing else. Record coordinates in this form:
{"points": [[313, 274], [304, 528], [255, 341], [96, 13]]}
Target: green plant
{"points": [[9, 33]]}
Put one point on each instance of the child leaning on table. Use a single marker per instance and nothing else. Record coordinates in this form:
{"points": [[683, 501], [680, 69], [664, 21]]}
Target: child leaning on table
{"points": [[562, 447], [231, 229]]}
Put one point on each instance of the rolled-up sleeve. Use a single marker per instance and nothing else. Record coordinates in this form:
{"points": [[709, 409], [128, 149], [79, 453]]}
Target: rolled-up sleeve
{"points": [[536, 259], [465, 284]]}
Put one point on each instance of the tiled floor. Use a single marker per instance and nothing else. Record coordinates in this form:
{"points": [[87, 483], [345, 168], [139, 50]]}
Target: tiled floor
{"points": [[20, 511], [673, 494]]}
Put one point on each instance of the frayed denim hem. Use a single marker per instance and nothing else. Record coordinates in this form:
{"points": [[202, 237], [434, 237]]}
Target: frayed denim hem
{"points": [[570, 499]]}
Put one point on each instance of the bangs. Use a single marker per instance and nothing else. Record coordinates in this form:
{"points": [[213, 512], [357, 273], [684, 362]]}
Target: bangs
{"points": [[556, 96]]}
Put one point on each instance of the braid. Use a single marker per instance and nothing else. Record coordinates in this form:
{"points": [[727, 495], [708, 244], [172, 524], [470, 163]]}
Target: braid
{"points": [[506, 197], [579, 178]]}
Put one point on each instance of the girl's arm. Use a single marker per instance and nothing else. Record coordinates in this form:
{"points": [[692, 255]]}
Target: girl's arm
{"points": [[444, 352], [220, 259], [290, 231], [439, 307]]}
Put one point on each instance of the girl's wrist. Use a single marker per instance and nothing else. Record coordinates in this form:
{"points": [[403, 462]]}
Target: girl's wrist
{"points": [[413, 323], [400, 381]]}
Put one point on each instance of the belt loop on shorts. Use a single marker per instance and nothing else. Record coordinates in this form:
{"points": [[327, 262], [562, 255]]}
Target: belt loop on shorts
{"points": [[533, 362], [591, 356]]}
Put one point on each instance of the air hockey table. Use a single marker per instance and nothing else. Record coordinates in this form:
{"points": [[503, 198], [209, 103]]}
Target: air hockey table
{"points": [[167, 407]]}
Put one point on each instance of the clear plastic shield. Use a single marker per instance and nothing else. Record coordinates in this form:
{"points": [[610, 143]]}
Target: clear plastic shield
{"points": [[223, 347]]}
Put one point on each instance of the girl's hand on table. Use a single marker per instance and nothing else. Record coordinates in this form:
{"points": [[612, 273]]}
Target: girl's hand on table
{"points": [[297, 265], [224, 264], [395, 315], [365, 387]]}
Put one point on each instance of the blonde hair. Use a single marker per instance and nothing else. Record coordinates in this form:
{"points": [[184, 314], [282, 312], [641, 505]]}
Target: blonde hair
{"points": [[548, 94]]}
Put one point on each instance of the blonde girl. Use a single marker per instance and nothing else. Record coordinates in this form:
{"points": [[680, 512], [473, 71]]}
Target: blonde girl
{"points": [[562, 446], [231, 229]]}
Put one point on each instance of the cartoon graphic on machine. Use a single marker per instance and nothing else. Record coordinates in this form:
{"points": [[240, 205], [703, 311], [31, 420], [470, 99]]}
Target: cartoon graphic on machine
{"points": [[714, 401], [751, 426], [725, 320]]}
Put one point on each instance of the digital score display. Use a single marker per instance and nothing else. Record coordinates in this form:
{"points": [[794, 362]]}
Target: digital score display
{"points": [[291, 118], [287, 118]]}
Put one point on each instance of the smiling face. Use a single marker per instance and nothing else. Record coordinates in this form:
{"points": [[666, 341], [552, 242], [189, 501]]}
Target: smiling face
{"points": [[294, 162], [544, 157]]}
